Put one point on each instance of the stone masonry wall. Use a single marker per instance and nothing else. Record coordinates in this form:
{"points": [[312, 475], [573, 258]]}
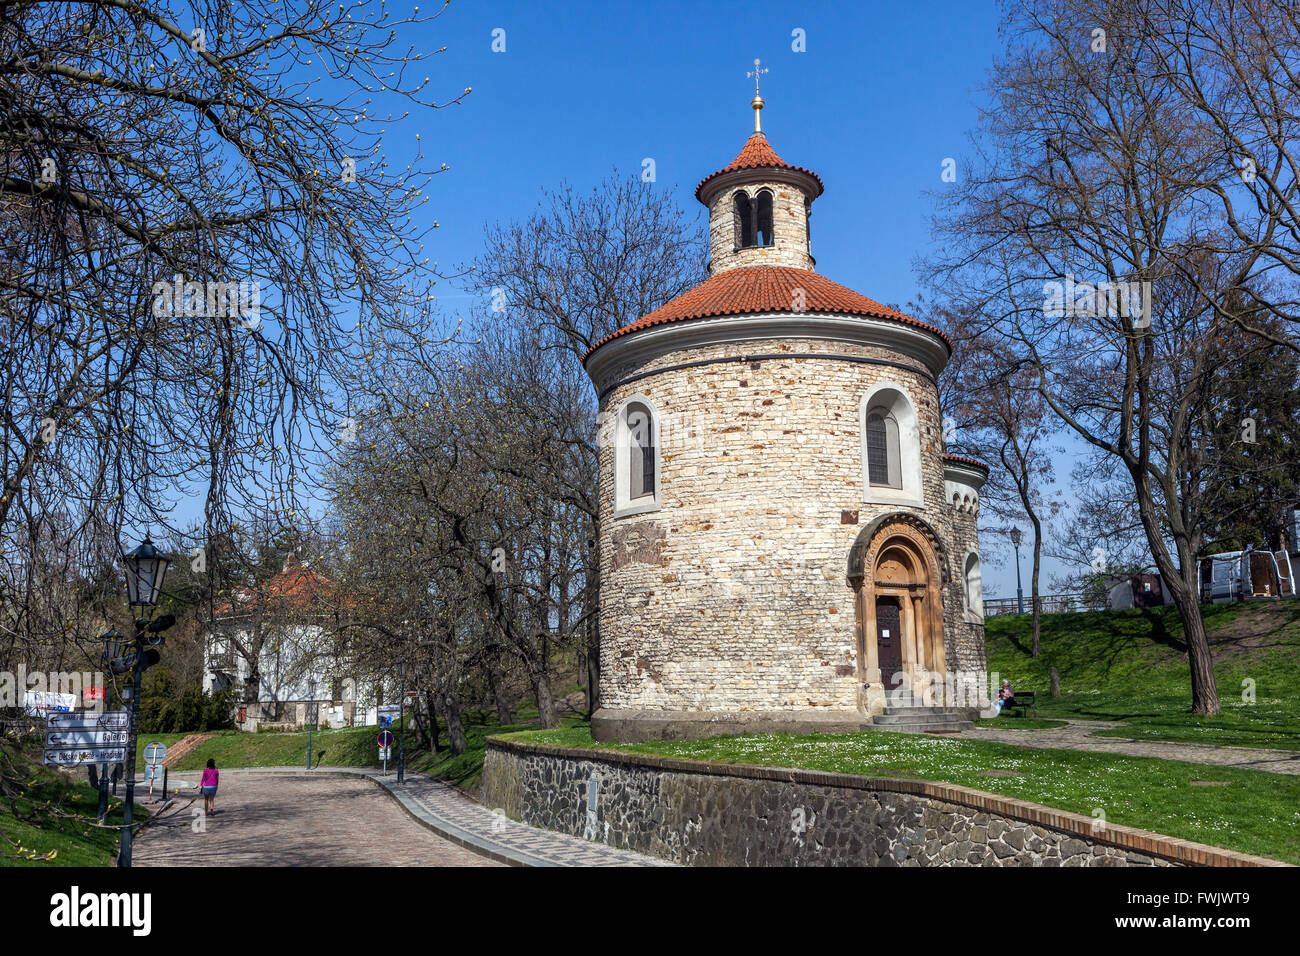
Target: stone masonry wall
{"points": [[705, 815], [734, 595], [789, 230]]}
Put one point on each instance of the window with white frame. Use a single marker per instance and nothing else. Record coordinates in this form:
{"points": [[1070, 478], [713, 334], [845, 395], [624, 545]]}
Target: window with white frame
{"points": [[891, 447], [973, 587], [636, 472]]}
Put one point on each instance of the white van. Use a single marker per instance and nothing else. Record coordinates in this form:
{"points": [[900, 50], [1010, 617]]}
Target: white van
{"points": [[1247, 576]]}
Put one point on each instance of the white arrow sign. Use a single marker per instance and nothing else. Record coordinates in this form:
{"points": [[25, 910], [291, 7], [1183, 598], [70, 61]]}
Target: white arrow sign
{"points": [[109, 720], [74, 758], [65, 739]]}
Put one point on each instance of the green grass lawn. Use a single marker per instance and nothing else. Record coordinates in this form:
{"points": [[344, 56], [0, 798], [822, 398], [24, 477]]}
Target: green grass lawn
{"points": [[347, 747], [1130, 667], [1255, 812], [55, 814]]}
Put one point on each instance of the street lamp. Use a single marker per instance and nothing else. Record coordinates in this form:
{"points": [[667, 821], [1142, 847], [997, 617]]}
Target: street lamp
{"points": [[401, 723], [311, 705], [114, 647], [1020, 594], [146, 567]]}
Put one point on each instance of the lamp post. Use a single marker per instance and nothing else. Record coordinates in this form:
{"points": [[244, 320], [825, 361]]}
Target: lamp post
{"points": [[1020, 594], [146, 567], [401, 722], [311, 706], [113, 647]]}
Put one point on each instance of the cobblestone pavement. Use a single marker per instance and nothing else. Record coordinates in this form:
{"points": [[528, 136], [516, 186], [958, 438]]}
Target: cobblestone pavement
{"points": [[297, 821], [1076, 735], [286, 815]]}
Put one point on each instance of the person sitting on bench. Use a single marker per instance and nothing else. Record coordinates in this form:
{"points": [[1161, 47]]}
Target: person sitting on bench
{"points": [[1005, 696]]}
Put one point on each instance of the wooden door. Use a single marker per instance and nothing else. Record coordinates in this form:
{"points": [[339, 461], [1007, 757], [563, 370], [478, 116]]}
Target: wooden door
{"points": [[889, 641]]}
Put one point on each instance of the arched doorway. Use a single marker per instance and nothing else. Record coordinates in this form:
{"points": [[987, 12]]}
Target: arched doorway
{"points": [[896, 569]]}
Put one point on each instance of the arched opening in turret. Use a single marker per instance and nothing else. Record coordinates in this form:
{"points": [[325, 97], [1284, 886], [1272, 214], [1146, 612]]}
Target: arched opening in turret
{"points": [[764, 226], [744, 211]]}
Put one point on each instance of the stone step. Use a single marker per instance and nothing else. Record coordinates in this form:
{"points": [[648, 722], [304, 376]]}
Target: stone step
{"points": [[921, 720]]}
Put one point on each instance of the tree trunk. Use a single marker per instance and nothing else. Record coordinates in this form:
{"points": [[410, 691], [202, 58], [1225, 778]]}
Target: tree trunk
{"points": [[542, 690], [455, 727], [1033, 580], [1205, 695], [431, 705]]}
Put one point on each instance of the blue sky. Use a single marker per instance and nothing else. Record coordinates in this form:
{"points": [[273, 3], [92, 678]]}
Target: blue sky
{"points": [[882, 94]]}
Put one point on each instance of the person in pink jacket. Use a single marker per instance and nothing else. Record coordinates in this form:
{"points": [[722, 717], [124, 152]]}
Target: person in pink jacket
{"points": [[209, 788]]}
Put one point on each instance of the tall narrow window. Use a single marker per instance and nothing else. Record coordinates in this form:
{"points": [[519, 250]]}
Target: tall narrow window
{"points": [[764, 230], [744, 220], [884, 466], [641, 452], [636, 461]]}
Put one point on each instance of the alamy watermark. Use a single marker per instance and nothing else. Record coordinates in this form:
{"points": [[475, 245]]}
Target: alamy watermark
{"points": [[1111, 299], [212, 299]]}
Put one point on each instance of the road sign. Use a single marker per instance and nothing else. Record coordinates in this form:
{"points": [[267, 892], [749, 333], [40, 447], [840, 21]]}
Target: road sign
{"points": [[385, 754], [155, 752], [81, 739], [75, 758], [385, 738], [109, 720]]}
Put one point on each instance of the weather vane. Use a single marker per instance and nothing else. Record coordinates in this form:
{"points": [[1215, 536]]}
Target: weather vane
{"points": [[757, 104]]}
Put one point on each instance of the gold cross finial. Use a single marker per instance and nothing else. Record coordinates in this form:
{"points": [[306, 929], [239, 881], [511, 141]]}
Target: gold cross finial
{"points": [[758, 100]]}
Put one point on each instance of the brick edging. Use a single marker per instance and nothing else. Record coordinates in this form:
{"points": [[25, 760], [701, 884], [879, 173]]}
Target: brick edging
{"points": [[1076, 825]]}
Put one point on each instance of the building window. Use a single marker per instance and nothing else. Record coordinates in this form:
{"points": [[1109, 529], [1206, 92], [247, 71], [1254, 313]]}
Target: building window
{"points": [[891, 447], [884, 466], [973, 586], [744, 221], [753, 219], [763, 229], [636, 476]]}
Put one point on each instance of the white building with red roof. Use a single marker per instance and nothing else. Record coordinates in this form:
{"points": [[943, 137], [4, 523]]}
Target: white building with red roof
{"points": [[784, 544]]}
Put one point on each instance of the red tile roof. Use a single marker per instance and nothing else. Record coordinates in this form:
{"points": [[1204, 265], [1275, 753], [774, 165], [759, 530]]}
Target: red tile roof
{"points": [[743, 291], [295, 588], [757, 153], [966, 461]]}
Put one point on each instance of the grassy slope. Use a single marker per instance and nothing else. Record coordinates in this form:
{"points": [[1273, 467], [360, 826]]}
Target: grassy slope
{"points": [[1130, 666], [63, 813], [346, 747], [1255, 813]]}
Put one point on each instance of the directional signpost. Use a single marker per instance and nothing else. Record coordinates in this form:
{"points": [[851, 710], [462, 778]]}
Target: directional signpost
{"points": [[154, 754], [73, 739]]}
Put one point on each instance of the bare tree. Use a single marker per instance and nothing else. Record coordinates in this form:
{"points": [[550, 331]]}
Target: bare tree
{"points": [[1083, 239]]}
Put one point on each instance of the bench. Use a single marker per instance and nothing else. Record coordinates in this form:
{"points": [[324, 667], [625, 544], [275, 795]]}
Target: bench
{"points": [[1026, 700]]}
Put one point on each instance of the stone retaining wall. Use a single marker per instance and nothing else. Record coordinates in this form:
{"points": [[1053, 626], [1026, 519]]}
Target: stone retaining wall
{"points": [[703, 814]]}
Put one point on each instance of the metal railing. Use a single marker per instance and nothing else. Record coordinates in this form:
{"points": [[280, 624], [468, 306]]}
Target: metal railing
{"points": [[1050, 603]]}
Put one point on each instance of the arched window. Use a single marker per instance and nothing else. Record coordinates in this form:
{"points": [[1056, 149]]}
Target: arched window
{"points": [[744, 220], [973, 586], [636, 475], [883, 454], [891, 447], [764, 227], [641, 451]]}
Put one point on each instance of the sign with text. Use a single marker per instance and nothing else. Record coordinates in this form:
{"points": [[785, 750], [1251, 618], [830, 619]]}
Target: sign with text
{"points": [[94, 693], [81, 739], [109, 720], [75, 758], [39, 703]]}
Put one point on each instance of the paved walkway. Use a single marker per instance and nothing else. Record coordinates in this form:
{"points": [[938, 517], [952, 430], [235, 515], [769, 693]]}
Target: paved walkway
{"points": [[337, 817], [1077, 735]]}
